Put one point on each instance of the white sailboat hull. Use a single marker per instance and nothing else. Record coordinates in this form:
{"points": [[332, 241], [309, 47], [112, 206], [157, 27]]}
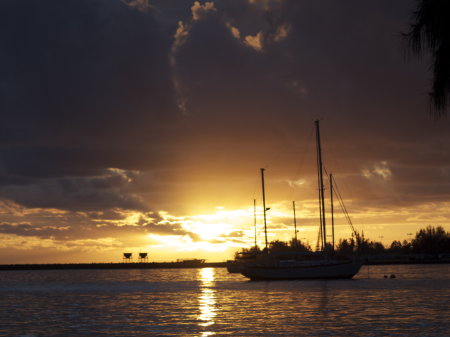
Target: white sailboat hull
{"points": [[302, 272]]}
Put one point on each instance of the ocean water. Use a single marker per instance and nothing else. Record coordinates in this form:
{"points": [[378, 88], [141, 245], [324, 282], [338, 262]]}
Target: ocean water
{"points": [[211, 302]]}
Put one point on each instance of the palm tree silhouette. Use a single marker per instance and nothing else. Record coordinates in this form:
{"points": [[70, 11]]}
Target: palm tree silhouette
{"points": [[430, 31]]}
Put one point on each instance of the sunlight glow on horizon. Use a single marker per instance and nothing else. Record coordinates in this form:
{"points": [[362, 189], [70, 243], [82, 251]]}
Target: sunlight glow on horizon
{"points": [[217, 234]]}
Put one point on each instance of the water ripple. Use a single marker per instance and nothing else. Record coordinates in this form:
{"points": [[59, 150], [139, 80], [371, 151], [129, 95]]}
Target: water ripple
{"points": [[211, 302]]}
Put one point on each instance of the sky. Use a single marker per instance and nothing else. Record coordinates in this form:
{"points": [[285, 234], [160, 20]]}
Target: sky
{"points": [[141, 126]]}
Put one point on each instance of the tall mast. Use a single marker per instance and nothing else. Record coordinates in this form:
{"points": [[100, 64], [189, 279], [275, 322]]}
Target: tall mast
{"points": [[264, 206], [332, 208], [321, 188], [295, 223], [254, 220]]}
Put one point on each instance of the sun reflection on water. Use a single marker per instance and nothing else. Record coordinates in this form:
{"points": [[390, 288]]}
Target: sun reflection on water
{"points": [[207, 299]]}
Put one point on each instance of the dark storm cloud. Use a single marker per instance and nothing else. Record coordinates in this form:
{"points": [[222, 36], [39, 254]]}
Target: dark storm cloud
{"points": [[109, 190], [84, 86], [224, 79], [335, 60], [82, 73], [321, 67], [29, 230]]}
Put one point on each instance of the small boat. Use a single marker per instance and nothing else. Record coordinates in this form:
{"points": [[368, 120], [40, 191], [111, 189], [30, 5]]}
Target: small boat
{"points": [[190, 263], [322, 264]]}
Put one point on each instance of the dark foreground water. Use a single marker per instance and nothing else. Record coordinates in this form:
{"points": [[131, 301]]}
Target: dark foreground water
{"points": [[211, 302]]}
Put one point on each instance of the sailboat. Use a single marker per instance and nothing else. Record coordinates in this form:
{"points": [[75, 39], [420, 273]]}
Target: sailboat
{"points": [[295, 265]]}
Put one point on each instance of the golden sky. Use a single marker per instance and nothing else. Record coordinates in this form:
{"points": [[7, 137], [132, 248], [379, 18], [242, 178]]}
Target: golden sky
{"points": [[133, 126]]}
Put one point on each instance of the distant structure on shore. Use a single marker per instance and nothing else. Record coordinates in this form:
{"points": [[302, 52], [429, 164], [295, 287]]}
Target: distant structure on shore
{"points": [[143, 257], [127, 257]]}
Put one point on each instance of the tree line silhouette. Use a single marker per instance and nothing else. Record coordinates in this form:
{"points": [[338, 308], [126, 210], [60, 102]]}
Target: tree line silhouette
{"points": [[430, 241]]}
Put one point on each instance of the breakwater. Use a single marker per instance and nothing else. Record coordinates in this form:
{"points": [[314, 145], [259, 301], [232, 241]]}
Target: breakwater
{"points": [[127, 265]]}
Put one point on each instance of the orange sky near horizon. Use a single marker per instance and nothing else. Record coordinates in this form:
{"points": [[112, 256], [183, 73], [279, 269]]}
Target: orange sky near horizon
{"points": [[218, 233]]}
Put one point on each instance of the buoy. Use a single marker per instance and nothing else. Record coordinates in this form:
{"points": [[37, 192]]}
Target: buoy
{"points": [[392, 275]]}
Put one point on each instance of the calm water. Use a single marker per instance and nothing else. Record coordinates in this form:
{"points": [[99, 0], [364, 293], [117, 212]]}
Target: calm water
{"points": [[211, 302]]}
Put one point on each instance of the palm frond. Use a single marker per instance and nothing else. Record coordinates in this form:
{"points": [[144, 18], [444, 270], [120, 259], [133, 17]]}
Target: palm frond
{"points": [[430, 32]]}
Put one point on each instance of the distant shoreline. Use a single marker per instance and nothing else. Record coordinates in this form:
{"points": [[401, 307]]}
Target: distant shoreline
{"points": [[169, 265], [112, 265]]}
